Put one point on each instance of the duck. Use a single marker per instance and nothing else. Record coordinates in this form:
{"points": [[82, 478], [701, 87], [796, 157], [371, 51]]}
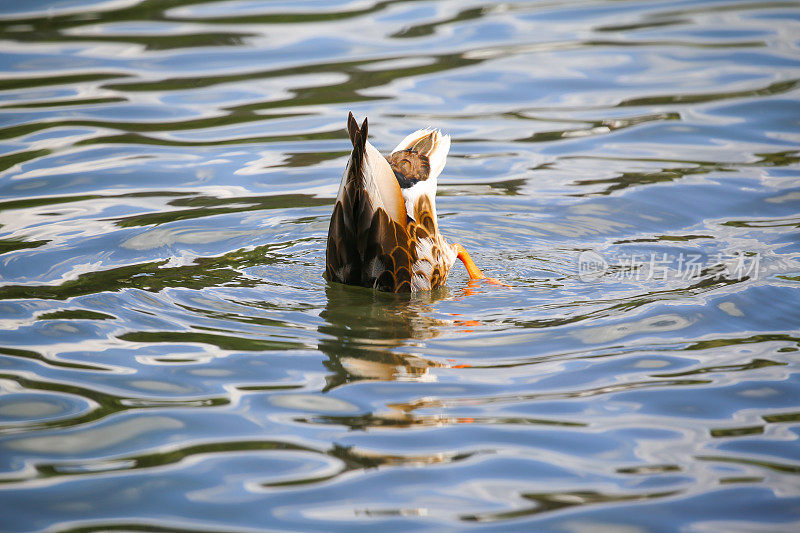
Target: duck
{"points": [[384, 232]]}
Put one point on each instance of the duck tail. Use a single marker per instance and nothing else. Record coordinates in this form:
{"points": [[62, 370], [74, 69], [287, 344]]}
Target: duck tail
{"points": [[368, 220]]}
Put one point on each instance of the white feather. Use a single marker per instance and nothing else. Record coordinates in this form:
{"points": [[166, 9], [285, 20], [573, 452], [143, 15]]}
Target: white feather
{"points": [[380, 183], [412, 194], [437, 156]]}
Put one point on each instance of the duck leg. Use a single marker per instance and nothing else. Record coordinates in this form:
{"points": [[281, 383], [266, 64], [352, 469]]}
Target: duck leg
{"points": [[472, 269]]}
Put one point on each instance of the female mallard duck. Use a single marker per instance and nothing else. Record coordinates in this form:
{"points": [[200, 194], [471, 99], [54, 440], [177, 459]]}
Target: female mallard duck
{"points": [[384, 232]]}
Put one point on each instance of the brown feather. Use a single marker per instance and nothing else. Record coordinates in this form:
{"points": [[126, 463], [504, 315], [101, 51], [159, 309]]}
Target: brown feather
{"points": [[410, 164], [366, 246], [431, 267], [372, 241]]}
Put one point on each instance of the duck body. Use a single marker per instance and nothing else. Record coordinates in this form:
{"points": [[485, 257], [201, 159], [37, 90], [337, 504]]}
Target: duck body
{"points": [[384, 231]]}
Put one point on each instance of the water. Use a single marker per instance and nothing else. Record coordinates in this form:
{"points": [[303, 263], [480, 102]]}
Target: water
{"points": [[172, 360]]}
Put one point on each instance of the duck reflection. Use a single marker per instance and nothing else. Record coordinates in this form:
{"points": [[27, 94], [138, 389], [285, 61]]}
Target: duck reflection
{"points": [[364, 328]]}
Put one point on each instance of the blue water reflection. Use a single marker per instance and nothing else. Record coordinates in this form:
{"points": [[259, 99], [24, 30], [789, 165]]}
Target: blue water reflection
{"points": [[171, 358]]}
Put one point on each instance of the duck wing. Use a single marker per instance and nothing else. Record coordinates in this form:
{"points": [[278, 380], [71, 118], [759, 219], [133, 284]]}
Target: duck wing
{"points": [[417, 163], [434, 256], [368, 240]]}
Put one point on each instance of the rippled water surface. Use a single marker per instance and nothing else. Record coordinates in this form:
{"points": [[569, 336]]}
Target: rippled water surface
{"points": [[171, 358]]}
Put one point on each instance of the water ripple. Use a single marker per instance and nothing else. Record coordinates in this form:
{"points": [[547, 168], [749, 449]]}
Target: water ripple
{"points": [[171, 358]]}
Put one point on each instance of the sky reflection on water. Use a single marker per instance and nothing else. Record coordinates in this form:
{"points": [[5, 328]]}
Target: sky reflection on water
{"points": [[172, 360]]}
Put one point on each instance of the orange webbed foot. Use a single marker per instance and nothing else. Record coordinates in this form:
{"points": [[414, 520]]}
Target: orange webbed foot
{"points": [[472, 269]]}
